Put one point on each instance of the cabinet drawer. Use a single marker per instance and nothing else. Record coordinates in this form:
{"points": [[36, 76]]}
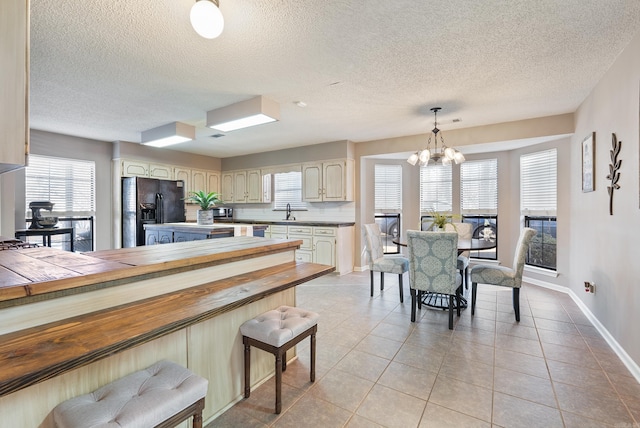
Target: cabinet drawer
{"points": [[300, 230], [304, 256], [324, 231], [278, 235], [307, 242], [278, 229]]}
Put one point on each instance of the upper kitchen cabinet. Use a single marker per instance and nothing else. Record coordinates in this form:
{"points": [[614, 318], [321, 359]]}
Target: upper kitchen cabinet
{"points": [[136, 168], [14, 84], [244, 187], [196, 180], [328, 181], [199, 181], [213, 182]]}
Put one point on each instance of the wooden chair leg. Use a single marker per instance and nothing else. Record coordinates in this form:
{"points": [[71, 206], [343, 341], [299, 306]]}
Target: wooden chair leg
{"points": [[371, 272], [381, 281], [247, 370], [516, 303], [312, 375], [413, 305], [401, 290], [474, 288], [278, 382]]}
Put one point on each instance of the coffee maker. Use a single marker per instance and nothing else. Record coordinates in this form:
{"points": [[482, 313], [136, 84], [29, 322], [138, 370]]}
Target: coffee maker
{"points": [[38, 221]]}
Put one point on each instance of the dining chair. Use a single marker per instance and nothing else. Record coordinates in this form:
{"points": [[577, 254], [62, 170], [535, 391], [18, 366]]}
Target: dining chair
{"points": [[432, 268], [379, 262], [502, 275], [464, 230]]}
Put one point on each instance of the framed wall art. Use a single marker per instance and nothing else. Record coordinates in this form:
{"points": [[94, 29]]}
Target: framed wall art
{"points": [[588, 163]]}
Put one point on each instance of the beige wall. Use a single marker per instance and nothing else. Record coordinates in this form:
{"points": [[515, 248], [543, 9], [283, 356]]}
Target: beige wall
{"points": [[604, 247]]}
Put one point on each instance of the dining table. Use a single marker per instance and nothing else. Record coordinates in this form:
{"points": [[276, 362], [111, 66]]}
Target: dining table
{"points": [[439, 300]]}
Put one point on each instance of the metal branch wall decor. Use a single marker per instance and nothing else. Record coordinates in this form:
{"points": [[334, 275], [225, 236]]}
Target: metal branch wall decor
{"points": [[614, 166]]}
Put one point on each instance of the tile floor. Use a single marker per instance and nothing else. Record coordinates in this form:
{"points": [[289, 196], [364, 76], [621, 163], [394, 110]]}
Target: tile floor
{"points": [[377, 369]]}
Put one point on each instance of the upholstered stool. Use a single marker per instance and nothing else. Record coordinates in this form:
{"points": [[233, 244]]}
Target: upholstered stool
{"points": [[276, 332], [163, 395]]}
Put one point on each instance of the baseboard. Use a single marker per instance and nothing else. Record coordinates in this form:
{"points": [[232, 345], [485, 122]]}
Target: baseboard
{"points": [[615, 346]]}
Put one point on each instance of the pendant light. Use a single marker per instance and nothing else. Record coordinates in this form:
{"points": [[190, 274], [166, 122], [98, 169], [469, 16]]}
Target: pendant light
{"points": [[445, 155], [207, 19]]}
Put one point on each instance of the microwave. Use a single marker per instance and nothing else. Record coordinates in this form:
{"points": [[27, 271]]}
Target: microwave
{"points": [[222, 213]]}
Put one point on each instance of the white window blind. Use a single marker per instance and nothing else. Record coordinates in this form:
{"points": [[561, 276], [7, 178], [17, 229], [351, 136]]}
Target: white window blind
{"points": [[479, 187], [288, 190], [538, 183], [435, 189], [68, 183], [388, 187]]}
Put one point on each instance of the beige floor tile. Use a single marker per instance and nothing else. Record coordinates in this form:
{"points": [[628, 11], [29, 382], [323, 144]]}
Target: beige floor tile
{"points": [[393, 331], [524, 386], [261, 404], [391, 408], [523, 363], [358, 421], [511, 411], [408, 380], [550, 314], [571, 420], [379, 346], [312, 411], [235, 417], [564, 339], [592, 404], [420, 357], [472, 372], [363, 365], [625, 385], [517, 344], [525, 320], [471, 351], [559, 326], [570, 355], [462, 397], [517, 330], [342, 389], [580, 376], [440, 417]]}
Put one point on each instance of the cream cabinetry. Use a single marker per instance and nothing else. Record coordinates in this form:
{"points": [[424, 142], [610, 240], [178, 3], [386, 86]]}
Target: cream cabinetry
{"points": [[213, 181], [14, 84], [199, 180], [244, 187], [326, 245], [136, 168], [184, 174], [328, 181]]}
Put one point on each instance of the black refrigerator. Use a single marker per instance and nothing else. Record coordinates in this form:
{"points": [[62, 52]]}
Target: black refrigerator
{"points": [[148, 200]]}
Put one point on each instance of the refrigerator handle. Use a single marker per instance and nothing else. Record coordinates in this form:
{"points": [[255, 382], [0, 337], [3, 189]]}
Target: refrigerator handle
{"points": [[159, 208]]}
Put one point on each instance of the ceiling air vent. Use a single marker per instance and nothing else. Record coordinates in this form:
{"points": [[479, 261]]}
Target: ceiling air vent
{"points": [[217, 135]]}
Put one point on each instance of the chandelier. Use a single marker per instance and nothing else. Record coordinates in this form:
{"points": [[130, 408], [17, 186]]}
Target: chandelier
{"points": [[445, 155]]}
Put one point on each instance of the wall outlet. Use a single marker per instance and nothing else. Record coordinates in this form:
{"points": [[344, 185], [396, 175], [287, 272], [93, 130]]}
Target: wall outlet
{"points": [[589, 287]]}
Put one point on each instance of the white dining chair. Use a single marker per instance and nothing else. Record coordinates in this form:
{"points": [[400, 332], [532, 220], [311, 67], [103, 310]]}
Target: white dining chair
{"points": [[379, 262], [502, 275], [465, 231]]}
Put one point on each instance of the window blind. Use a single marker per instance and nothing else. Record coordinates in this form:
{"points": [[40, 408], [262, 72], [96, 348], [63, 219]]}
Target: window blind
{"points": [[479, 187], [435, 189], [538, 183], [288, 190], [68, 183], [388, 187]]}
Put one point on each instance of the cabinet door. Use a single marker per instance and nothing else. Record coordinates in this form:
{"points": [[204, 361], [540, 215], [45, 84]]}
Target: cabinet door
{"points": [[213, 182], [254, 186], [165, 236], [312, 182], [240, 187], [14, 81], [266, 188], [198, 180], [333, 181], [161, 172], [184, 174], [133, 168], [226, 187], [151, 237], [324, 250]]}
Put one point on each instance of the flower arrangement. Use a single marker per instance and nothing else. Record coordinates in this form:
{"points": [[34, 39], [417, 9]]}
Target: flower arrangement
{"points": [[440, 220]]}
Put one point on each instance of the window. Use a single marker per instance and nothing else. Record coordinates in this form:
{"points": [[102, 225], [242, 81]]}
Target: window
{"points": [[479, 200], [70, 185], [538, 196], [288, 190], [388, 187], [435, 189]]}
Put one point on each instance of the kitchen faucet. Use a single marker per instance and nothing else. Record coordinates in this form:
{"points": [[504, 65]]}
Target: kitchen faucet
{"points": [[289, 212]]}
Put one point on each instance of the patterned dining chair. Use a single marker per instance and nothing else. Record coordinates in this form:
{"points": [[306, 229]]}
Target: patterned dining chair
{"points": [[432, 268], [465, 231], [502, 275], [378, 262]]}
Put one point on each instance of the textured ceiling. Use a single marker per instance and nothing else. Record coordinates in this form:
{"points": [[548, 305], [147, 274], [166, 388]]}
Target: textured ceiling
{"points": [[367, 70]]}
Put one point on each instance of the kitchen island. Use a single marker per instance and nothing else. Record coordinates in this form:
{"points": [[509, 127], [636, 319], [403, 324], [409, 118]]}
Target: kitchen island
{"points": [[164, 233], [87, 319]]}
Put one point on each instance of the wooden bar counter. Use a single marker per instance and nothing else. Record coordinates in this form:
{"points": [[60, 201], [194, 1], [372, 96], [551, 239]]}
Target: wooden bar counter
{"points": [[70, 323]]}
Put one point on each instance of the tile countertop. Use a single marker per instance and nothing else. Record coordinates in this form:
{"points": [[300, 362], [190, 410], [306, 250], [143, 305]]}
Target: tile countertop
{"points": [[299, 222]]}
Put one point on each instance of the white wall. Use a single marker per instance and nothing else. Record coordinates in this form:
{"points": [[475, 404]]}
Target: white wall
{"points": [[603, 246]]}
